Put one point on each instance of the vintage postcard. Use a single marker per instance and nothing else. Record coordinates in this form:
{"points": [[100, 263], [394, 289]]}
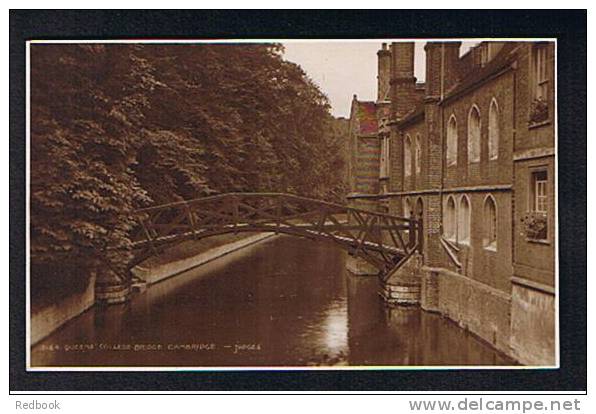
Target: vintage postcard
{"points": [[292, 204]]}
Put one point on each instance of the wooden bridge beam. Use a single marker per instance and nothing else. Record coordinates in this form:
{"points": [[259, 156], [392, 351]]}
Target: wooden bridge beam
{"points": [[362, 234]]}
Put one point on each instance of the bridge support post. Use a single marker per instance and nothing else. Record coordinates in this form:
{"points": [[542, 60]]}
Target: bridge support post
{"points": [[111, 288], [403, 287], [429, 300]]}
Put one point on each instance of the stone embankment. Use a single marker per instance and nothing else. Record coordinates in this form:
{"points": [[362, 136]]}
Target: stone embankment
{"points": [[48, 319]]}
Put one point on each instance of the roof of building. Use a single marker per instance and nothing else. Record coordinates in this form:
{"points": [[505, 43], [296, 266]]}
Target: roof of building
{"points": [[500, 62], [367, 111]]}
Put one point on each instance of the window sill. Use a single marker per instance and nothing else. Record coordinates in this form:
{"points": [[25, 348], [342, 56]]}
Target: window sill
{"points": [[490, 248], [533, 125], [450, 240], [538, 241]]}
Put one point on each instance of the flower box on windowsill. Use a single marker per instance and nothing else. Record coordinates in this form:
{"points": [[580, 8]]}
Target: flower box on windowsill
{"points": [[539, 113], [535, 225], [538, 124]]}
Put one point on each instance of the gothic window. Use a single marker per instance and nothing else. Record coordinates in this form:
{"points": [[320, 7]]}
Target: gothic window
{"points": [[419, 208], [490, 223], [418, 154], [450, 220], [452, 141], [474, 135], [463, 222], [408, 156], [493, 131], [407, 214], [419, 212]]}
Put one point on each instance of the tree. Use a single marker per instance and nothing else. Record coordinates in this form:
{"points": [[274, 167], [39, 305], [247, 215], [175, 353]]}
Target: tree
{"points": [[117, 127], [86, 101]]}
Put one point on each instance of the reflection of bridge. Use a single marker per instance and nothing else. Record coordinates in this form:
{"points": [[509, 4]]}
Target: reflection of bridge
{"points": [[383, 240]]}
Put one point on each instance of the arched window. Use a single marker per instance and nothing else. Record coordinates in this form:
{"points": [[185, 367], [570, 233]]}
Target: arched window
{"points": [[450, 220], [489, 239], [419, 214], [419, 211], [463, 221], [452, 141], [493, 131], [408, 156], [474, 135], [418, 154]]}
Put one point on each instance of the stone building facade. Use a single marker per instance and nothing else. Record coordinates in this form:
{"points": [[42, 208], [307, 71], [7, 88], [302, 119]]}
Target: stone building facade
{"points": [[472, 153]]}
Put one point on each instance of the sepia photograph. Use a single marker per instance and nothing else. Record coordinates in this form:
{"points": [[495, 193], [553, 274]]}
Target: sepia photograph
{"points": [[292, 204], [244, 202]]}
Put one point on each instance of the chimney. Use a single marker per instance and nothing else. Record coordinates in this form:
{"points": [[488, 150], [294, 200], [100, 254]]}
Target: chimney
{"points": [[442, 60], [403, 82], [383, 73]]}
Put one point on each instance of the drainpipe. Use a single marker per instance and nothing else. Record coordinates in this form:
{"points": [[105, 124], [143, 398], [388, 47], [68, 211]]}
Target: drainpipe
{"points": [[441, 131], [513, 178], [403, 157], [442, 70]]}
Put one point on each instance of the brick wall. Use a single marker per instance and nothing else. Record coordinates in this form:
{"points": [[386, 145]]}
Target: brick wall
{"points": [[403, 83], [534, 260], [383, 73], [416, 181], [479, 294], [396, 157], [489, 266], [486, 172], [367, 164], [533, 149], [533, 136]]}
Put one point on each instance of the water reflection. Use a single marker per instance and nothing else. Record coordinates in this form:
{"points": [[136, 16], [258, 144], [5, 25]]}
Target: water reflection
{"points": [[285, 302]]}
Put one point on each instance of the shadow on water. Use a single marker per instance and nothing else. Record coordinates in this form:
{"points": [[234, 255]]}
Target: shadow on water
{"points": [[284, 302]]}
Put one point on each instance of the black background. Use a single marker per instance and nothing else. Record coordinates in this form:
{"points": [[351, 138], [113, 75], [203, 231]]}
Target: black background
{"points": [[569, 27]]}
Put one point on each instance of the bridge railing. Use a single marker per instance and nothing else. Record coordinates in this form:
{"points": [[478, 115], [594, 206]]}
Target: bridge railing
{"points": [[381, 239]]}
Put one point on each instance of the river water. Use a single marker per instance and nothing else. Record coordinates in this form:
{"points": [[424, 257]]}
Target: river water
{"points": [[282, 302]]}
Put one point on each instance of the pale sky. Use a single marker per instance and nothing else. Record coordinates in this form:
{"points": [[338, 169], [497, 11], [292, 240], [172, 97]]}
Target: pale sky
{"points": [[342, 69]]}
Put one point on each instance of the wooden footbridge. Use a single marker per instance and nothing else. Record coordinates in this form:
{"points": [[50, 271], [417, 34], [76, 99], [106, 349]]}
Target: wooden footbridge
{"points": [[385, 241]]}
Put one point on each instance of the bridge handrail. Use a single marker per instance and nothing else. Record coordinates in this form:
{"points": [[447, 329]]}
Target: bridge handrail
{"points": [[281, 195]]}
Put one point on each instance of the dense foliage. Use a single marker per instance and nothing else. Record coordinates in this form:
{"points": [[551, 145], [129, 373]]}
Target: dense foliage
{"points": [[117, 127]]}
